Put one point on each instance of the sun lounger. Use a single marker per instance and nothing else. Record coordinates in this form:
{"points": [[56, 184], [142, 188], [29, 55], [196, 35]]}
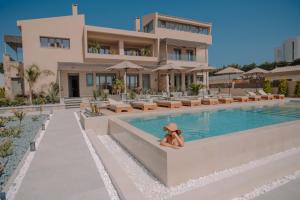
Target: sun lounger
{"points": [[118, 106], [210, 101], [144, 105], [265, 96], [225, 100], [253, 97], [168, 104], [241, 98], [279, 96], [191, 102]]}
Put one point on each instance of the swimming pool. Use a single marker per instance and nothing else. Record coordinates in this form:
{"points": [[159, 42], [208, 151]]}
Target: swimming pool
{"points": [[203, 124]]}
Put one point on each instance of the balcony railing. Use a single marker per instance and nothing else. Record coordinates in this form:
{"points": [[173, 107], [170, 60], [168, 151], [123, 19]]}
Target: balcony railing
{"points": [[182, 57]]}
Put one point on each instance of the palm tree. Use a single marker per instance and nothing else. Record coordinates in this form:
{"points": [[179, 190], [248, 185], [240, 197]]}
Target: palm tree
{"points": [[32, 74]]}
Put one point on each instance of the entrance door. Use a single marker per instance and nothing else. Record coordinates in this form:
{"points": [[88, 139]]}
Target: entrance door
{"points": [[74, 85]]}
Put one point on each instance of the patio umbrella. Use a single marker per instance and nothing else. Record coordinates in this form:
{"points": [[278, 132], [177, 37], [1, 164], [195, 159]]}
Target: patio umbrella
{"points": [[229, 71], [125, 65], [257, 72], [168, 67], [201, 68]]}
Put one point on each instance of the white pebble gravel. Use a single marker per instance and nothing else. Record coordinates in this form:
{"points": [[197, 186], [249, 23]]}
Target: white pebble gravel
{"points": [[152, 188]]}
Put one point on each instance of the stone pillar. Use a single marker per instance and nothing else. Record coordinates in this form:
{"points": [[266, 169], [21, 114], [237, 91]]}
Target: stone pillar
{"points": [[121, 47], [172, 80], [7, 76], [140, 82], [183, 81]]}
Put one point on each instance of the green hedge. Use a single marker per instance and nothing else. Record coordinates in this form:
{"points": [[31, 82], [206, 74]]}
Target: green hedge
{"points": [[297, 89], [283, 87], [267, 87]]}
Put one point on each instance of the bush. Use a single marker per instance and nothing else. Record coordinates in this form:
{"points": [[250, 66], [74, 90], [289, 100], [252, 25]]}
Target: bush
{"points": [[3, 122], [4, 102], [194, 87], [297, 89], [2, 92], [6, 148], [53, 92], [283, 87], [10, 132], [132, 95], [20, 115], [267, 87], [39, 100]]}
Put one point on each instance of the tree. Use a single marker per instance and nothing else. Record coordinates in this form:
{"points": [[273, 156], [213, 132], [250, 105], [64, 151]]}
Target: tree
{"points": [[267, 86], [283, 87], [118, 86], [32, 74], [194, 87], [297, 89]]}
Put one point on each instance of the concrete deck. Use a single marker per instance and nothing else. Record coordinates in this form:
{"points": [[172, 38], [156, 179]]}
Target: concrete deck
{"points": [[289, 191], [62, 167]]}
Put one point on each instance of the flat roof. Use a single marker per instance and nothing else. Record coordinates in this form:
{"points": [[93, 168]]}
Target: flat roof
{"points": [[196, 22]]}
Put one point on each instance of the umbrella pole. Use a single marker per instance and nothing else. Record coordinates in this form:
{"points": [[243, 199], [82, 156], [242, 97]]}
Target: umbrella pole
{"points": [[229, 86], [125, 81]]}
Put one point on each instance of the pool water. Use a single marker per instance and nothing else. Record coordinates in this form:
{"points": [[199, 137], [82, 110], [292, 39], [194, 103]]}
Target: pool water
{"points": [[203, 124]]}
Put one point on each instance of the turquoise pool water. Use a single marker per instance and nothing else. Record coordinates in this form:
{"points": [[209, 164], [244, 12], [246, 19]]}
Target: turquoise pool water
{"points": [[203, 124]]}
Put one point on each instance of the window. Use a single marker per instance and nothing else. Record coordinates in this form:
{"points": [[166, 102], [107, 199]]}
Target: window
{"points": [[104, 50], [105, 81], [190, 55], [132, 81], [132, 52], [182, 27], [55, 42], [177, 82], [149, 27], [89, 79], [177, 54]]}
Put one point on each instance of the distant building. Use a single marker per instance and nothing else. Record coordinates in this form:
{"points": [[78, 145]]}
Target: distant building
{"points": [[289, 50]]}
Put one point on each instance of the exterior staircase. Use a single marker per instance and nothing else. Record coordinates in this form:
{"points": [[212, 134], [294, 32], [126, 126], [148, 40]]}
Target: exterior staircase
{"points": [[72, 102]]}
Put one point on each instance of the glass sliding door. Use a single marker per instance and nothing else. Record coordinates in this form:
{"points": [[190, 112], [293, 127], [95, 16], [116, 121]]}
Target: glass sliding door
{"points": [[105, 81], [132, 81], [146, 82], [177, 82], [188, 80]]}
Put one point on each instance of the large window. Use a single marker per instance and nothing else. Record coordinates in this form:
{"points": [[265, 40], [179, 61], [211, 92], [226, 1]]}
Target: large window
{"points": [[89, 79], [190, 55], [105, 81], [177, 82], [182, 27], [132, 81], [63, 43], [177, 54], [149, 27], [132, 52]]}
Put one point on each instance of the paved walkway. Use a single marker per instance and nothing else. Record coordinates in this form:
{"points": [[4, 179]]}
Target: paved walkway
{"points": [[62, 167], [289, 191]]}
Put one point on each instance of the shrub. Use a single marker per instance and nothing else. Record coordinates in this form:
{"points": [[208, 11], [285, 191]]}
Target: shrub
{"points": [[194, 87], [6, 148], [53, 92], [34, 118], [4, 102], [20, 115], [3, 122], [297, 89], [2, 92], [39, 100], [10, 132], [283, 87], [132, 94], [267, 87]]}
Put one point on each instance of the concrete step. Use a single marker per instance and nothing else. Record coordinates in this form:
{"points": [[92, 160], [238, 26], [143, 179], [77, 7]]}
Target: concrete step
{"points": [[72, 102]]}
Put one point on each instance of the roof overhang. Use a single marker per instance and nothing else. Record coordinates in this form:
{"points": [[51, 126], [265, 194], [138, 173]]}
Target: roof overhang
{"points": [[182, 43], [13, 41]]}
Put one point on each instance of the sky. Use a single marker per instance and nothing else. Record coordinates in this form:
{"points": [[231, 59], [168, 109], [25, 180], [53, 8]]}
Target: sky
{"points": [[243, 31]]}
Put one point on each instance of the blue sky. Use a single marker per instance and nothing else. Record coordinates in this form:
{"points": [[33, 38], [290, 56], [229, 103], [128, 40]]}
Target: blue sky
{"points": [[244, 31]]}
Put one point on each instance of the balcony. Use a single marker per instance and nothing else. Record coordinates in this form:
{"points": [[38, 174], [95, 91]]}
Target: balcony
{"points": [[181, 57]]}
